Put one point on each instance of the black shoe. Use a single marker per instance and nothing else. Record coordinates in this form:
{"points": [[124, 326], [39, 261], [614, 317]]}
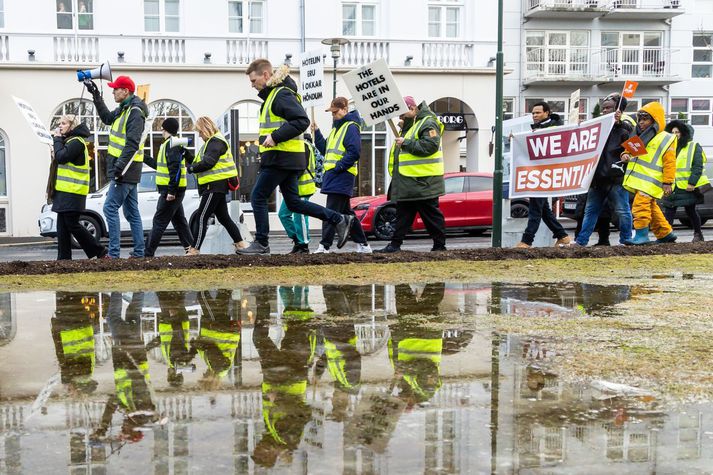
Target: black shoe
{"points": [[438, 248], [300, 249], [343, 228], [603, 243], [388, 249], [255, 248], [103, 253], [698, 237]]}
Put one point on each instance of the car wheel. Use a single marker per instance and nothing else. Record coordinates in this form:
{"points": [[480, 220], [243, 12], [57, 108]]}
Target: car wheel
{"points": [[91, 225], [385, 223], [519, 210]]}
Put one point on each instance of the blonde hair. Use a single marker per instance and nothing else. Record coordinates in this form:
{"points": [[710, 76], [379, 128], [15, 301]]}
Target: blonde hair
{"points": [[72, 119], [206, 127]]}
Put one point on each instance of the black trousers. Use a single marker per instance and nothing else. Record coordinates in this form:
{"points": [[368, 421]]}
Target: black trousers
{"points": [[430, 214], [691, 212], [168, 212], [214, 204], [68, 226], [340, 204]]}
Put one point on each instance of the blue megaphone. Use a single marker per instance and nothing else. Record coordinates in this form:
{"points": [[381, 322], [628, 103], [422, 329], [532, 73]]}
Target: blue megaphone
{"points": [[102, 72]]}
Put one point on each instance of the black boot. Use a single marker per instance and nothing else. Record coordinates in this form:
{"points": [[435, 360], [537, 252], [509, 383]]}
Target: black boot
{"points": [[300, 248], [698, 237]]}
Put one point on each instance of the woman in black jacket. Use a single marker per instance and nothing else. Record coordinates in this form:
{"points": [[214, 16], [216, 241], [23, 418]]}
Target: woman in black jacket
{"points": [[71, 187]]}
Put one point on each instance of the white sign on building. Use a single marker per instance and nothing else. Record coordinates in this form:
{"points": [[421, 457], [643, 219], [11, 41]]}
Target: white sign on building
{"points": [[34, 120], [312, 78], [375, 93]]}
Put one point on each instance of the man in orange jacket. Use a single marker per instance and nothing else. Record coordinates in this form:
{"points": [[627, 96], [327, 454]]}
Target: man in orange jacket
{"points": [[651, 176]]}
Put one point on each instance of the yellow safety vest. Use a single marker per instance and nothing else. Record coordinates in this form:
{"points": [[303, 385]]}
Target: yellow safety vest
{"points": [[645, 173], [335, 148], [335, 362], [223, 169], [165, 333], [684, 161], [270, 122], [413, 165], [74, 178], [226, 342], [162, 176], [306, 185], [124, 385], [78, 344], [117, 136], [269, 414]]}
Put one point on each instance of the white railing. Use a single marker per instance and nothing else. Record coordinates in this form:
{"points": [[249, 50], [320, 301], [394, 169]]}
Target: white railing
{"points": [[447, 55], [4, 48], [163, 50], [358, 53], [245, 51], [626, 62], [557, 62], [83, 49], [644, 4], [564, 4]]}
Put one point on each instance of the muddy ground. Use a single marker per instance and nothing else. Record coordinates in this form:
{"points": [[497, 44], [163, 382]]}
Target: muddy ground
{"points": [[286, 260]]}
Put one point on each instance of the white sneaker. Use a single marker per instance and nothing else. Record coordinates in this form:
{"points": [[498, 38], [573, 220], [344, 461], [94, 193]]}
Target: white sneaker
{"points": [[321, 250], [363, 248]]}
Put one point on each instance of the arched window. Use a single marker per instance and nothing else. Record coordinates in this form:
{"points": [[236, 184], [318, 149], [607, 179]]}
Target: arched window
{"points": [[163, 109]]}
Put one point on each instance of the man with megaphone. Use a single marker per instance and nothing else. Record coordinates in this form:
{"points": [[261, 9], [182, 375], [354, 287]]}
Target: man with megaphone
{"points": [[124, 160]]}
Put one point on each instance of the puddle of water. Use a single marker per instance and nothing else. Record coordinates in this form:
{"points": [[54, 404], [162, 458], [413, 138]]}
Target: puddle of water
{"points": [[318, 379]]}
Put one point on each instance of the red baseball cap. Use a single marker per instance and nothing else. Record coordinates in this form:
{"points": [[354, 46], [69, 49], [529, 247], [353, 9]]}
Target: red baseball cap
{"points": [[123, 82]]}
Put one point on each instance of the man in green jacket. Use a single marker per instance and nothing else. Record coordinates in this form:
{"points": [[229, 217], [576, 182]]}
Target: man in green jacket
{"points": [[416, 168]]}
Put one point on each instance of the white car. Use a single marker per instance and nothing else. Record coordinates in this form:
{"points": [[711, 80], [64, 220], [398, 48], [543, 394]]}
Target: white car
{"points": [[93, 219]]}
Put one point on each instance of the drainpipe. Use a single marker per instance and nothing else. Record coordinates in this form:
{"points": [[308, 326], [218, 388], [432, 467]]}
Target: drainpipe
{"points": [[303, 46]]}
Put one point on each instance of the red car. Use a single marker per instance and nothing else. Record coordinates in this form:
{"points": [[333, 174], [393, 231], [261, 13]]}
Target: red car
{"points": [[467, 206]]}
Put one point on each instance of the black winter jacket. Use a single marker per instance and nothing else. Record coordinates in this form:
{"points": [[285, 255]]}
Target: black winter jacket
{"points": [[134, 129], [214, 148], [69, 153], [610, 169], [553, 120]]}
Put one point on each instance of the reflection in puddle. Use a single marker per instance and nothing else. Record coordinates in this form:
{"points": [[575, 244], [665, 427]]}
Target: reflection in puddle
{"points": [[317, 379]]}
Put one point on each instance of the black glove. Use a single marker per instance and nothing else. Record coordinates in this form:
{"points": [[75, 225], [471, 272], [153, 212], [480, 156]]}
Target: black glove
{"points": [[91, 87]]}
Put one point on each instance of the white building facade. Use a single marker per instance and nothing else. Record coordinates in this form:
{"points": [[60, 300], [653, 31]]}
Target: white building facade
{"points": [[193, 54]]}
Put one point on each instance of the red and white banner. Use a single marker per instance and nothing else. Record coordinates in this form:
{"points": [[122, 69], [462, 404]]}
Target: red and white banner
{"points": [[557, 161]]}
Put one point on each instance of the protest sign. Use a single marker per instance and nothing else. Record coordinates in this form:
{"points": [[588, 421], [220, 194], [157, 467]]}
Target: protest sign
{"points": [[312, 78], [34, 120], [142, 90], [376, 95], [629, 89], [635, 146], [574, 107], [558, 161]]}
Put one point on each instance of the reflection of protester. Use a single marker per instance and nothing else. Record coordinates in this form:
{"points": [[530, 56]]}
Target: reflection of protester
{"points": [[607, 182], [71, 187], [416, 167], [284, 387], [171, 183], [297, 225], [651, 176], [690, 175]]}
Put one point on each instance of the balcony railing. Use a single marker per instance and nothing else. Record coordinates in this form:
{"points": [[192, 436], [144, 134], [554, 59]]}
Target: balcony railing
{"points": [[245, 51], [359, 52], [4, 48], [163, 50], [447, 55], [647, 62], [565, 4], [643, 4], [82, 49], [557, 62]]}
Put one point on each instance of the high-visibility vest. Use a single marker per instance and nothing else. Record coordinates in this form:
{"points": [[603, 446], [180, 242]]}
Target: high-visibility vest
{"points": [[269, 413], [270, 122], [78, 344], [629, 119], [336, 363], [74, 178], [336, 149], [117, 136], [223, 169], [306, 185], [165, 333], [645, 173], [227, 343], [684, 161], [413, 165], [162, 176], [125, 386], [420, 348]]}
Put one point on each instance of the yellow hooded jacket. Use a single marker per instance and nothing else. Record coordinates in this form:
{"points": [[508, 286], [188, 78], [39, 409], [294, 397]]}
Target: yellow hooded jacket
{"points": [[656, 110]]}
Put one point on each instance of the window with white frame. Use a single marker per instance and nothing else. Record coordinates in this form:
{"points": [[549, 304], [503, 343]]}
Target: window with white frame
{"points": [[557, 53], [162, 15], [508, 108], [3, 166], [2, 14], [638, 53], [558, 105], [702, 66], [66, 17], [64, 14], [358, 19], [246, 16], [697, 111], [444, 18]]}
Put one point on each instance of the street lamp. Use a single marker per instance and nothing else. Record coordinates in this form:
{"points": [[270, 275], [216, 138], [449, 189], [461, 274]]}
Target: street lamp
{"points": [[335, 47]]}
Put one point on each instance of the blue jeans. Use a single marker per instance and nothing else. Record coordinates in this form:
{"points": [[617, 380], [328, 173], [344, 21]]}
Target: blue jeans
{"points": [[267, 180], [539, 210], [619, 198], [124, 196], [296, 225]]}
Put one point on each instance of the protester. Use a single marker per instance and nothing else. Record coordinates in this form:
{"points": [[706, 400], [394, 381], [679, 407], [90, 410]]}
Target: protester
{"points": [[171, 182], [215, 170], [539, 208], [651, 176], [124, 160], [297, 225], [341, 151], [416, 167], [71, 187], [282, 154], [602, 225], [690, 176], [608, 178]]}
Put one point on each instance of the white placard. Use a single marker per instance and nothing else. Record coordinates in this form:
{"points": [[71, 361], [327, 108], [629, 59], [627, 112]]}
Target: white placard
{"points": [[43, 134], [312, 78], [375, 93], [574, 107]]}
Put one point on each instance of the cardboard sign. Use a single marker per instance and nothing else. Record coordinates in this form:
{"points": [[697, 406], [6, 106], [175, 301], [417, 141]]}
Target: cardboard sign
{"points": [[634, 146], [42, 133], [142, 90], [312, 78], [629, 89], [375, 93], [574, 107], [558, 161]]}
